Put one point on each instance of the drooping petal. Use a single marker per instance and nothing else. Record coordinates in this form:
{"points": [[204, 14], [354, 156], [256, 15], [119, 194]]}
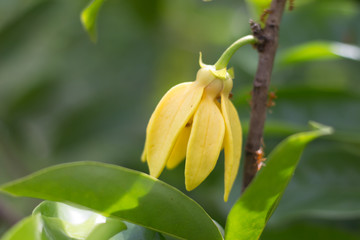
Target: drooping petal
{"points": [[232, 143], [179, 151], [218, 104], [169, 118], [143, 154], [205, 142]]}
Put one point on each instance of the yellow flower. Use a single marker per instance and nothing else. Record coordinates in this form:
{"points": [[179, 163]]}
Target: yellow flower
{"points": [[190, 122]]}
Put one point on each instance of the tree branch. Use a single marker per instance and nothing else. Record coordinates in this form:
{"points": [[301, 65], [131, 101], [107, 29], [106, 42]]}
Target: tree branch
{"points": [[267, 49]]}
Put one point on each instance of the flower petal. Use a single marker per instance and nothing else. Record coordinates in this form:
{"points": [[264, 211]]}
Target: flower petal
{"points": [[232, 143], [179, 151], [143, 154], [169, 118], [205, 142]]}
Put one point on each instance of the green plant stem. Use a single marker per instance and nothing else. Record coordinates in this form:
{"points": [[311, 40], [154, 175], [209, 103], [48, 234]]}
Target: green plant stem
{"points": [[229, 52]]}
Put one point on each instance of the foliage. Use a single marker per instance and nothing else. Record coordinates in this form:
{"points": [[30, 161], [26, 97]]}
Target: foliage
{"points": [[64, 99], [255, 207], [119, 192], [51, 220], [88, 18], [135, 197]]}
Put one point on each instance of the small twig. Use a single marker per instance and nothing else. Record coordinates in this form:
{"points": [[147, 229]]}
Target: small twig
{"points": [[267, 50]]}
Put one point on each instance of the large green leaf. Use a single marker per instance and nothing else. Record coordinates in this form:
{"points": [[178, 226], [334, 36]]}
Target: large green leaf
{"points": [[319, 50], [58, 221], [25, 229], [248, 217], [61, 221], [89, 16], [116, 191]]}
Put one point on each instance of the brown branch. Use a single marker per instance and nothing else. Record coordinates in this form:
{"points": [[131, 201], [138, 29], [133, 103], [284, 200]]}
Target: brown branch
{"points": [[267, 49]]}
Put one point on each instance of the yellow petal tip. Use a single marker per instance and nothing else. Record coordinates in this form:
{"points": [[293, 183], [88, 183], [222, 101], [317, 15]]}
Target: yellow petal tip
{"points": [[192, 183], [226, 197], [143, 156], [155, 174], [190, 187]]}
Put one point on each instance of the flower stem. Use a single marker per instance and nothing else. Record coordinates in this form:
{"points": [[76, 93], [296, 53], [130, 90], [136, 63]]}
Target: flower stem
{"points": [[229, 52]]}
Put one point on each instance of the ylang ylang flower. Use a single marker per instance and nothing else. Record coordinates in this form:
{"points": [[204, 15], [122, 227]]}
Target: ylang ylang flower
{"points": [[195, 120]]}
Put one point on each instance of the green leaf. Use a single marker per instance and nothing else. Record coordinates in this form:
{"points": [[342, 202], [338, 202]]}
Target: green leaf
{"points": [[58, 221], [248, 217], [116, 191], [89, 16], [329, 187], [319, 50], [25, 229], [61, 221]]}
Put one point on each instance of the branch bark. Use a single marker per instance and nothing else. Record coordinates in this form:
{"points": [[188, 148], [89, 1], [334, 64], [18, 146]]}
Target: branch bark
{"points": [[267, 49]]}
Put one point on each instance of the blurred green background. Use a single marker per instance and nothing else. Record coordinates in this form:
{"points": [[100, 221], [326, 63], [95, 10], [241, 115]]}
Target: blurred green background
{"points": [[64, 99]]}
